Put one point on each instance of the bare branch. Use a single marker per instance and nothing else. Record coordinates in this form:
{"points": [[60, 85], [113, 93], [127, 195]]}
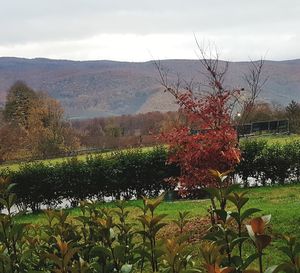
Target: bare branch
{"points": [[255, 81], [209, 58]]}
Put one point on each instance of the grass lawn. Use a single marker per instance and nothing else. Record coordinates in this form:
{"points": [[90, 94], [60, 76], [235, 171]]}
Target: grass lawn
{"points": [[282, 202]]}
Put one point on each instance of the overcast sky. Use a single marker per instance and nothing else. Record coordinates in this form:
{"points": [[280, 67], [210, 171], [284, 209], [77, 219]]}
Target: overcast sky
{"points": [[139, 30]]}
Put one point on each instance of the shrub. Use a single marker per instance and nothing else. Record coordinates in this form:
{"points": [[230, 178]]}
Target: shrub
{"points": [[128, 174], [134, 173], [269, 163]]}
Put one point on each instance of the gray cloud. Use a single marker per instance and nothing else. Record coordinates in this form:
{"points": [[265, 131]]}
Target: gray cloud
{"points": [[76, 21]]}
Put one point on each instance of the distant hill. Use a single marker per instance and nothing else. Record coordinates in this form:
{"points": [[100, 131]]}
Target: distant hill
{"points": [[104, 88]]}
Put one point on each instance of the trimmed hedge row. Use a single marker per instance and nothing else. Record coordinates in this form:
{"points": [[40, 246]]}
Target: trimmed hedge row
{"points": [[127, 174], [135, 173], [269, 164]]}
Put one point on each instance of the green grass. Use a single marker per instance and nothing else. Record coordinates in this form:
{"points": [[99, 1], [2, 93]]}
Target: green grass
{"points": [[283, 202]]}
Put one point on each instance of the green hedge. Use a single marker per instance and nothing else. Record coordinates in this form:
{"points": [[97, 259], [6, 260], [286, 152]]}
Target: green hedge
{"points": [[269, 164], [136, 173], [130, 174]]}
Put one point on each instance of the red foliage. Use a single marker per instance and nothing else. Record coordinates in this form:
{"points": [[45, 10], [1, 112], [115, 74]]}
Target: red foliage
{"points": [[207, 141]]}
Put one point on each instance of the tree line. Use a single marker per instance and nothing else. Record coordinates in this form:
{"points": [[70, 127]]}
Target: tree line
{"points": [[126, 130]]}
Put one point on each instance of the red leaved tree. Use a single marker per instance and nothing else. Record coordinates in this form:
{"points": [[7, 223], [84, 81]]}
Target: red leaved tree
{"points": [[207, 138]]}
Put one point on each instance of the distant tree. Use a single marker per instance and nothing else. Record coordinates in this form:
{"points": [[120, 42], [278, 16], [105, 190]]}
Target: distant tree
{"points": [[35, 125], [13, 143], [261, 111], [171, 121], [264, 111], [2, 121], [255, 81], [125, 130], [48, 132], [19, 102], [112, 128], [293, 114]]}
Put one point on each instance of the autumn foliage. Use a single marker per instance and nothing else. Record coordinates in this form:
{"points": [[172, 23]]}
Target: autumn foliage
{"points": [[32, 125], [207, 140]]}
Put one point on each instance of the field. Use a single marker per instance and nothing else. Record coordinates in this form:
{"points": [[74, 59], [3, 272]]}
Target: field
{"points": [[271, 139], [282, 202]]}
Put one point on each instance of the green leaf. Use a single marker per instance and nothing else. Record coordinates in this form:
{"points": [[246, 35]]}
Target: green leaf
{"points": [[112, 234], [242, 202], [12, 199], [249, 260], [247, 213], [233, 199], [237, 261], [100, 252], [119, 252], [285, 267], [222, 214], [235, 216], [157, 219], [126, 268], [10, 186], [287, 251], [237, 241]]}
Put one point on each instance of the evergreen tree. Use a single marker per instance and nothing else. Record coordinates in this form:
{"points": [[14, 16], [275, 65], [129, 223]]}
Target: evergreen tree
{"points": [[293, 114]]}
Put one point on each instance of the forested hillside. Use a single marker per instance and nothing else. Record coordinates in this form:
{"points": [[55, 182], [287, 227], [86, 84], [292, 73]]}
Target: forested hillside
{"points": [[104, 88]]}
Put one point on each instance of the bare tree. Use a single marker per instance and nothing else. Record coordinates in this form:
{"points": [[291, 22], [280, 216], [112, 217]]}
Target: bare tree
{"points": [[214, 71], [255, 81]]}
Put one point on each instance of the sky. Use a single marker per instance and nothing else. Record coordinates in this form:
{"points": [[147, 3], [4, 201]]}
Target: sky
{"points": [[141, 30]]}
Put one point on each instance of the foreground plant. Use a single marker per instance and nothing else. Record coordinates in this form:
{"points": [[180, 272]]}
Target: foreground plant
{"points": [[240, 200], [102, 240], [292, 250], [63, 257], [220, 193], [152, 223], [177, 258], [11, 233], [256, 231], [213, 258], [181, 221]]}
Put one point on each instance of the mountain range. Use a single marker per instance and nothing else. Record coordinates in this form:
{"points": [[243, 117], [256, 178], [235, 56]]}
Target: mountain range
{"points": [[105, 88]]}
